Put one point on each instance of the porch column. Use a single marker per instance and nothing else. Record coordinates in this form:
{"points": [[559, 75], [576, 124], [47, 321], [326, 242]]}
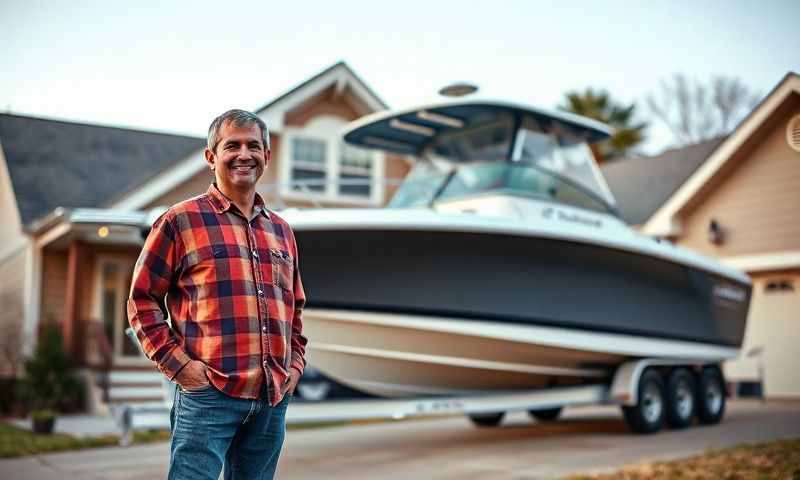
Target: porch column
{"points": [[71, 326]]}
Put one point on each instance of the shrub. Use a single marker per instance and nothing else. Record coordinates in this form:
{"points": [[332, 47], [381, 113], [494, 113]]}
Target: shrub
{"points": [[49, 381]]}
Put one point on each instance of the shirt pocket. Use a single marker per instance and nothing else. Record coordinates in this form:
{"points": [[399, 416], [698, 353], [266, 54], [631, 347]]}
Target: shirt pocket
{"points": [[212, 264], [282, 268]]}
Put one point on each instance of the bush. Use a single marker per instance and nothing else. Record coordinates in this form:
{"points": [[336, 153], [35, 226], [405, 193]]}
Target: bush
{"points": [[49, 381], [8, 388]]}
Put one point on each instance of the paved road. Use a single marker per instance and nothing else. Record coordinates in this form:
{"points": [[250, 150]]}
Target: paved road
{"points": [[586, 440]]}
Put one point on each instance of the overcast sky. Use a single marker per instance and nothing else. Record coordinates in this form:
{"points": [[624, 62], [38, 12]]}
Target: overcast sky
{"points": [[172, 66]]}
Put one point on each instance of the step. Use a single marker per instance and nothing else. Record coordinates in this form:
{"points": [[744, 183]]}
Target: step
{"points": [[135, 377], [151, 420], [132, 393], [146, 406]]}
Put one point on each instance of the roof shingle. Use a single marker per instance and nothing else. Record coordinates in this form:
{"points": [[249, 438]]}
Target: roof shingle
{"points": [[642, 184], [62, 164]]}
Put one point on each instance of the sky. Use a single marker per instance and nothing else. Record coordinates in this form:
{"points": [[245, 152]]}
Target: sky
{"points": [[173, 66]]}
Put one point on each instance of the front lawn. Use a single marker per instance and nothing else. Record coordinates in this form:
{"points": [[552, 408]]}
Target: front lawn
{"points": [[17, 442], [779, 459]]}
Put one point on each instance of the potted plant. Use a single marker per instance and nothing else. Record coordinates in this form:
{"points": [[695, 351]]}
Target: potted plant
{"points": [[48, 383], [43, 421]]}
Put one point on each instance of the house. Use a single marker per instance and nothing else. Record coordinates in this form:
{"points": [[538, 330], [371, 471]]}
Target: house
{"points": [[737, 199], [75, 199]]}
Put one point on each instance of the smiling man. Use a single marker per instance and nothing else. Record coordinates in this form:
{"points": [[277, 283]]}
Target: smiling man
{"points": [[235, 345]]}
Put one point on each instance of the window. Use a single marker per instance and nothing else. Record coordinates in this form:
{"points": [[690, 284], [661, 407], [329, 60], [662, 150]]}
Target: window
{"points": [[355, 171], [317, 165], [308, 164], [113, 282], [783, 285]]}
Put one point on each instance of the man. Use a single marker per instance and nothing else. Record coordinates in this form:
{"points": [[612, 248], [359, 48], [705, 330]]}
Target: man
{"points": [[235, 347]]}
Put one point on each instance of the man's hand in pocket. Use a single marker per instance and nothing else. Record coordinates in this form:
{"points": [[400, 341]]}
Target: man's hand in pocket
{"points": [[291, 382], [192, 376]]}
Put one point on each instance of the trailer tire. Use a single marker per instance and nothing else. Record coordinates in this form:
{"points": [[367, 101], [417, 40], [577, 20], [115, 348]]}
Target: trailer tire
{"points": [[546, 414], [647, 415], [483, 420], [710, 396], [681, 398]]}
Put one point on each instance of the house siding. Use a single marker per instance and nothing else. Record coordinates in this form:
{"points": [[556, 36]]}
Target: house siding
{"points": [[396, 169], [196, 185], [11, 233], [325, 103], [266, 182], [757, 203], [12, 299], [54, 286]]}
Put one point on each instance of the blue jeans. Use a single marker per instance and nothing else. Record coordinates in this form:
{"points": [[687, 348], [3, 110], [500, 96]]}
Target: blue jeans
{"points": [[210, 429]]}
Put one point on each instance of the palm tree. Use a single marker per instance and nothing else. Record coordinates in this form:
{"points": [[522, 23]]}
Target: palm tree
{"points": [[599, 106]]}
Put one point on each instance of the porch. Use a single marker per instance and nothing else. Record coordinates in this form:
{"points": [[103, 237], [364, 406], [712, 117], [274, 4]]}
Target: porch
{"points": [[86, 263]]}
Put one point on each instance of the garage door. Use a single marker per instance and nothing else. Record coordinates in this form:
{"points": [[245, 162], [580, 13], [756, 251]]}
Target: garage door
{"points": [[774, 324]]}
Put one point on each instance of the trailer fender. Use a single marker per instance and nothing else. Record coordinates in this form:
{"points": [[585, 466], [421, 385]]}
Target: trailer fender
{"points": [[624, 387]]}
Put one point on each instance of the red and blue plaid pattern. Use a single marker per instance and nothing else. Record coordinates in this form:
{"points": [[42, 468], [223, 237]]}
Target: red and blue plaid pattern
{"points": [[233, 293]]}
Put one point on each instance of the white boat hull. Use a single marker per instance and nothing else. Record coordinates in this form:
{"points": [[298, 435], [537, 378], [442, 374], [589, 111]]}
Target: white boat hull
{"points": [[393, 355]]}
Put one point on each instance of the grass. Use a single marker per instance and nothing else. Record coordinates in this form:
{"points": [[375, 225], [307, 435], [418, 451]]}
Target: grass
{"points": [[779, 459], [18, 442]]}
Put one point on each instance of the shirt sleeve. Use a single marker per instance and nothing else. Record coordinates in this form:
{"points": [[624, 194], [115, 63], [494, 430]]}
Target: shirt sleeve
{"points": [[147, 312], [299, 341]]}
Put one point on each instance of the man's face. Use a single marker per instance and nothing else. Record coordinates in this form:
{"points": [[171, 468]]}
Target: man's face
{"points": [[240, 158]]}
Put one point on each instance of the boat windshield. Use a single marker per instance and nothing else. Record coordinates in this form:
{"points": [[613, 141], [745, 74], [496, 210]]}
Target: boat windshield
{"points": [[503, 156], [425, 184]]}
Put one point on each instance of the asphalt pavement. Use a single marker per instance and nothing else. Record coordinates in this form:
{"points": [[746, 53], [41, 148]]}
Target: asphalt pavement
{"points": [[585, 440]]}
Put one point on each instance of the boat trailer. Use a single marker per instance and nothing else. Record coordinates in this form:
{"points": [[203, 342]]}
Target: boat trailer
{"points": [[644, 388]]}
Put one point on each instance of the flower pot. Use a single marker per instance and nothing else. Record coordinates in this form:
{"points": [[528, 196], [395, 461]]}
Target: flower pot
{"points": [[43, 425]]}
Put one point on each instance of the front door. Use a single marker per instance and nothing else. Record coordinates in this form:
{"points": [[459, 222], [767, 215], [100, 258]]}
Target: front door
{"points": [[114, 280]]}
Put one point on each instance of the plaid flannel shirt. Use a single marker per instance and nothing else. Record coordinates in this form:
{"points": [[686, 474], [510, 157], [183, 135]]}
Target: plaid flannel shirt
{"points": [[235, 298]]}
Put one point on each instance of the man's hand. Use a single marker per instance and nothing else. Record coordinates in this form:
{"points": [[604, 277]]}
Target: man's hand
{"points": [[291, 382], [192, 376]]}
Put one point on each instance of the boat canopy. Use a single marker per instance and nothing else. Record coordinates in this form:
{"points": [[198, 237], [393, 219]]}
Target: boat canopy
{"points": [[477, 147], [411, 131]]}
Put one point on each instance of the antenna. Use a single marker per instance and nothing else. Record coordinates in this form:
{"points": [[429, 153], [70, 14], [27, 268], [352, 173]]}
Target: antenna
{"points": [[458, 89]]}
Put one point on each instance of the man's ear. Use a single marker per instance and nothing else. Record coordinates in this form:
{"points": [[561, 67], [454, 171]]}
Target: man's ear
{"points": [[267, 158], [210, 158]]}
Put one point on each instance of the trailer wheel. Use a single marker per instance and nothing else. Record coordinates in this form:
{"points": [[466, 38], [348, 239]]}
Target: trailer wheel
{"points": [[487, 419], [648, 413], [710, 396], [546, 415], [681, 394]]}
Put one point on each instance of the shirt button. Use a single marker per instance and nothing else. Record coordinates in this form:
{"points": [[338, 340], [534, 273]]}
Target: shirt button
{"points": [[260, 292], [264, 328], [265, 363], [255, 254]]}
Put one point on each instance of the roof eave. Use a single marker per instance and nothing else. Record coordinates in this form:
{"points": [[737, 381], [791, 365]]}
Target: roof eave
{"points": [[98, 216]]}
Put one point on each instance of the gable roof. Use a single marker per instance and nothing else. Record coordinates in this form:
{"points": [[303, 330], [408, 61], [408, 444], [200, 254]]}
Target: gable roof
{"points": [[642, 184], [665, 222], [340, 72], [54, 163], [339, 75]]}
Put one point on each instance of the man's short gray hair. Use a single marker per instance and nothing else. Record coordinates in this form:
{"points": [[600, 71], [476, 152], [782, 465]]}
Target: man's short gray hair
{"points": [[240, 118]]}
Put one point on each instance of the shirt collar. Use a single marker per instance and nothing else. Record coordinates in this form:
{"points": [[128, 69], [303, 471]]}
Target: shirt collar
{"points": [[221, 203]]}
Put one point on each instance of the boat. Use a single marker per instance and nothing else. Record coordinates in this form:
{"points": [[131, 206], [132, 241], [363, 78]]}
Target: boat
{"points": [[500, 264]]}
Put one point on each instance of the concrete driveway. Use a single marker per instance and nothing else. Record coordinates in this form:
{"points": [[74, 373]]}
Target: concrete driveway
{"points": [[586, 440]]}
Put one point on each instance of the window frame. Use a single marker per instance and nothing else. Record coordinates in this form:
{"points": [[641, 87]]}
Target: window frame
{"points": [[327, 129]]}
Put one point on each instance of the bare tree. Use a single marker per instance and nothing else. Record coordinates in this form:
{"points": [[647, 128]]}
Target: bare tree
{"points": [[695, 112]]}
